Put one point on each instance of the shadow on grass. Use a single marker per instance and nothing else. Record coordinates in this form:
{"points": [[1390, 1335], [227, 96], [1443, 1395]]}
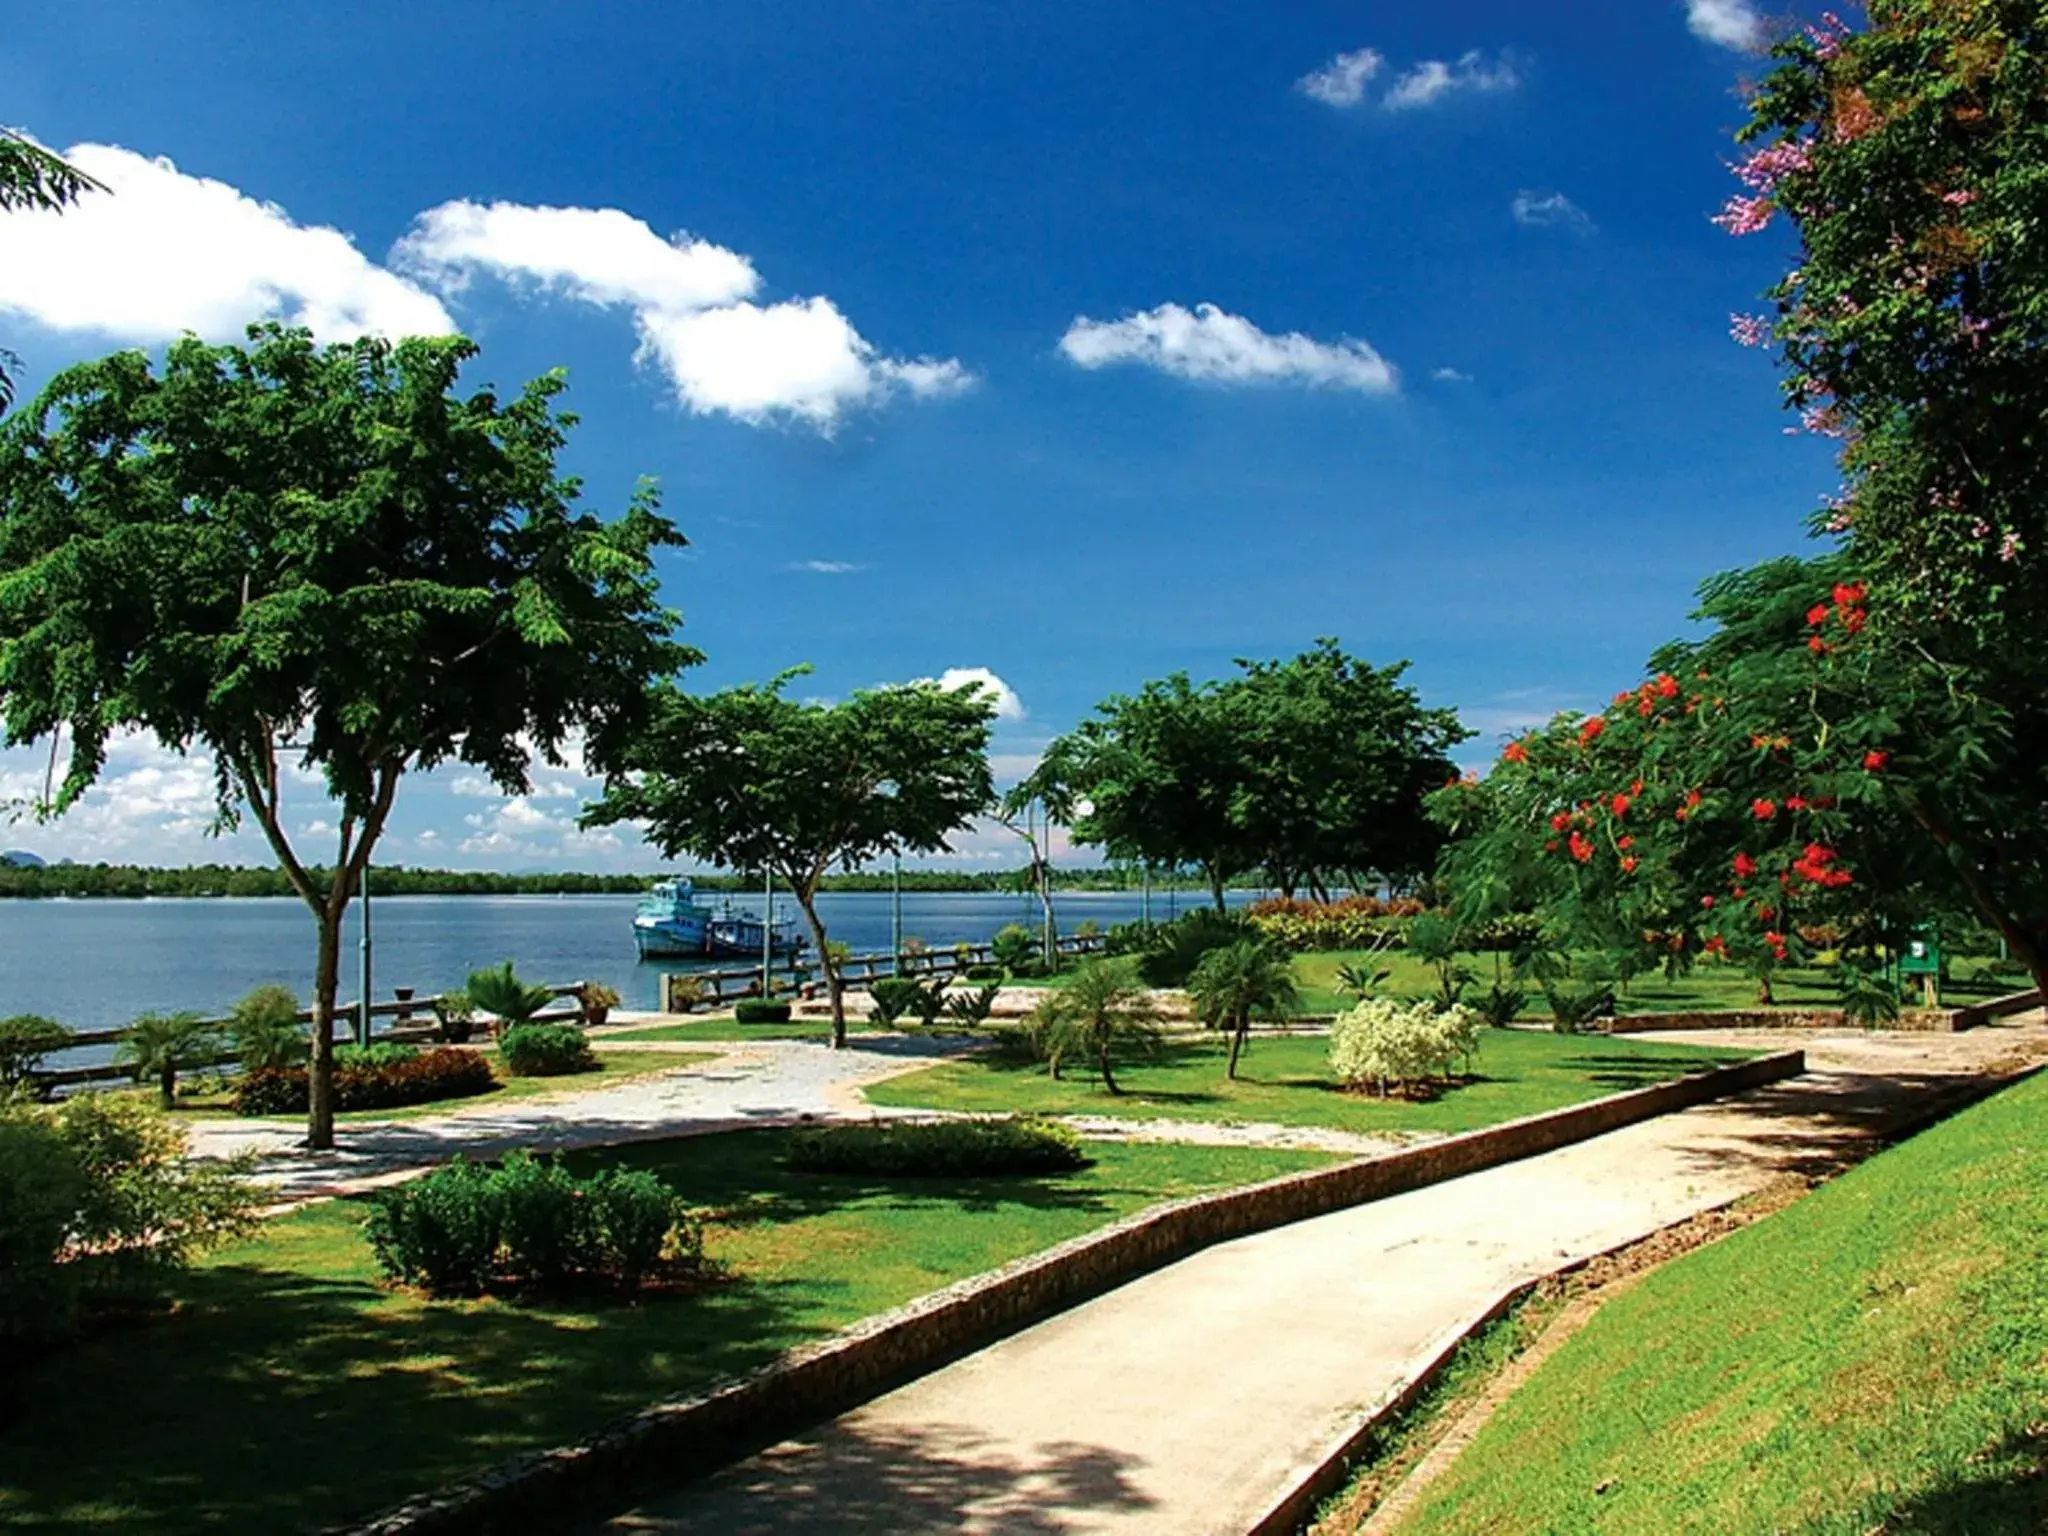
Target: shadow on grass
{"points": [[876, 1478], [2003, 1491], [1622, 1071]]}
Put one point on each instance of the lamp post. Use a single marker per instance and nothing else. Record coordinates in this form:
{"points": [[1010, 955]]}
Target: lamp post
{"points": [[767, 933], [896, 912], [1146, 887], [363, 1009]]}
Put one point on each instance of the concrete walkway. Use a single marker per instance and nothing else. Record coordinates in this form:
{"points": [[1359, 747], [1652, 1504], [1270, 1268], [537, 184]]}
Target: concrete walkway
{"points": [[751, 1085], [1191, 1400]]}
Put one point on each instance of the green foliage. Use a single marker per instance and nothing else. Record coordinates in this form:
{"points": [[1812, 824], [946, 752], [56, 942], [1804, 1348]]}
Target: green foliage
{"points": [[382, 1077], [983, 973], [893, 997], [1240, 981], [161, 1045], [1176, 948], [758, 1010], [1355, 922], [456, 1015], [97, 1198], [531, 1224], [293, 556], [1437, 941], [973, 1008], [545, 1050], [1575, 1004], [1501, 1005], [1014, 946], [498, 990], [974, 1148], [1869, 998], [266, 1029], [749, 778], [25, 1040], [597, 1001], [1397, 1047], [1104, 1011], [1312, 768]]}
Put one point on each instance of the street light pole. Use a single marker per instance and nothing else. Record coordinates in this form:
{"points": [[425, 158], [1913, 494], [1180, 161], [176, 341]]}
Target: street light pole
{"points": [[767, 932], [363, 1011], [896, 913]]}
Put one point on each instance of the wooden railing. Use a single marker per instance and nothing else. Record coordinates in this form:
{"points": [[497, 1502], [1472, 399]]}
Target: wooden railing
{"points": [[687, 991]]}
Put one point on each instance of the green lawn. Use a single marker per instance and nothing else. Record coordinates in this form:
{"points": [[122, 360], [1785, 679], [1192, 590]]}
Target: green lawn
{"points": [[1710, 985], [290, 1392], [216, 1101], [1873, 1358], [1286, 1080], [728, 1028]]}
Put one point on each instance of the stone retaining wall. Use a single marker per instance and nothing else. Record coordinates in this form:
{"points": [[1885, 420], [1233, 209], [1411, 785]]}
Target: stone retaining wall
{"points": [[682, 1437], [1913, 1020]]}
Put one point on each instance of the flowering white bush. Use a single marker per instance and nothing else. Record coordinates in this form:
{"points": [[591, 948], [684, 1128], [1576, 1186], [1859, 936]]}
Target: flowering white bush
{"points": [[1385, 1042]]}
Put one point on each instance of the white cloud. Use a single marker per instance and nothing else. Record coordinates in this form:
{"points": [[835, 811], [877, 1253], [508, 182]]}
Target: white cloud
{"points": [[1432, 80], [1549, 210], [1213, 346], [1008, 705], [1342, 81], [1731, 23], [692, 302], [1450, 376], [828, 567], [162, 252]]}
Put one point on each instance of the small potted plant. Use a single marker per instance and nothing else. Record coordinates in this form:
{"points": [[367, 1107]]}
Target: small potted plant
{"points": [[597, 1001], [457, 1017]]}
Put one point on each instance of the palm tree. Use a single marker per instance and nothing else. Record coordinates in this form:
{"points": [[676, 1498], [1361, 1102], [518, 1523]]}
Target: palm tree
{"points": [[159, 1044], [498, 991], [1104, 1005], [1237, 981]]}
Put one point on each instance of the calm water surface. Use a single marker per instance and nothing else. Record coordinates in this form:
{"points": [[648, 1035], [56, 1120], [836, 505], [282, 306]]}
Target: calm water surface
{"points": [[96, 964]]}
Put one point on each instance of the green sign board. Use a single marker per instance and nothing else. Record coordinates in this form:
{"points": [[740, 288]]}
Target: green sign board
{"points": [[1922, 956]]}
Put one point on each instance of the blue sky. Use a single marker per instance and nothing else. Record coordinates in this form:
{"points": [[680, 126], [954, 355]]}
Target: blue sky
{"points": [[882, 300]]}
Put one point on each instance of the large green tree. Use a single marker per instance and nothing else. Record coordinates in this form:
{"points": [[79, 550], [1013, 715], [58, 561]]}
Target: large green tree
{"points": [[752, 779], [1314, 769], [33, 178], [286, 555]]}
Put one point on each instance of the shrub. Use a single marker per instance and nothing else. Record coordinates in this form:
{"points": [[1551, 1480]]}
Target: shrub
{"points": [[25, 1039], [266, 1029], [1869, 1000], [1013, 946], [545, 1050], [983, 973], [97, 1197], [530, 1223], [939, 1148], [161, 1045], [597, 1002], [1352, 922], [892, 996], [1574, 1005], [1501, 1005], [1177, 947], [1127, 938], [387, 1079], [456, 1015], [1398, 1046], [760, 1010], [499, 991], [974, 1007]]}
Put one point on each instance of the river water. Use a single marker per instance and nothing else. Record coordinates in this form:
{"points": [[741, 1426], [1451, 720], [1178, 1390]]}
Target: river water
{"points": [[97, 964]]}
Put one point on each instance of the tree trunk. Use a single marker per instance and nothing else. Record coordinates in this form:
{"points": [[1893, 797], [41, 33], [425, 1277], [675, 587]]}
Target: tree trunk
{"points": [[1102, 1061], [167, 1083], [835, 985], [1216, 888], [320, 1069], [1239, 1028]]}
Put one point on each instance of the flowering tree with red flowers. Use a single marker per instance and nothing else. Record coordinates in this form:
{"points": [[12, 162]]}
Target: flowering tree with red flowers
{"points": [[1794, 777]]}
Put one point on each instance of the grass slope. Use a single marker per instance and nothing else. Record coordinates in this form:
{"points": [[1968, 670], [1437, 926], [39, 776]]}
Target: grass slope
{"points": [[1872, 1359], [1286, 1081], [289, 1391]]}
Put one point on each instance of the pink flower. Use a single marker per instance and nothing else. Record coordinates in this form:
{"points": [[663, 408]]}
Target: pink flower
{"points": [[1959, 199], [1829, 36], [1980, 529], [1745, 215], [1770, 165], [1750, 330], [2009, 548]]}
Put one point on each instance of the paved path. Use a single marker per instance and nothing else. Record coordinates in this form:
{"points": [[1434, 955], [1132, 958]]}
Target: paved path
{"points": [[760, 1083], [1190, 1400]]}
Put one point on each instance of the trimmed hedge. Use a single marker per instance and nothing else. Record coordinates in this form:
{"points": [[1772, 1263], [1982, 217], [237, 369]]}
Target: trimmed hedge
{"points": [[545, 1050], [940, 1148], [531, 1224], [756, 1010], [383, 1082]]}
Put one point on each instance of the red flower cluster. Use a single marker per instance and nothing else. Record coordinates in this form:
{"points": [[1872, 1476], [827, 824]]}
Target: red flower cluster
{"points": [[1745, 866], [1874, 762], [1764, 810], [1777, 942], [1620, 805], [1591, 731], [1561, 821], [1514, 752], [1818, 865], [1582, 848]]}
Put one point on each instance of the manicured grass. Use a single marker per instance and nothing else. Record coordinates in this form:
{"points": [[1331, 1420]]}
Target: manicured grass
{"points": [[291, 1392], [1710, 985], [1286, 1080], [1873, 1358], [728, 1028], [217, 1102]]}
